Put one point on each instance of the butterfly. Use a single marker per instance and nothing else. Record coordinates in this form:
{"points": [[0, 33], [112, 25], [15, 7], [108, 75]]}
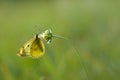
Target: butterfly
{"points": [[35, 47]]}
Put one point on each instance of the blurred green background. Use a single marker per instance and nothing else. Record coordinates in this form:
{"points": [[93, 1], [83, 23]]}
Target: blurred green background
{"points": [[92, 51]]}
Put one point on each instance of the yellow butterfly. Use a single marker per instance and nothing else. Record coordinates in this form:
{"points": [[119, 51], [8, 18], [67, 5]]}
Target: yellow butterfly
{"points": [[33, 48]]}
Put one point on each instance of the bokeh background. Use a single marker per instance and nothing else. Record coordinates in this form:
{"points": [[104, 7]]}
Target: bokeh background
{"points": [[92, 48]]}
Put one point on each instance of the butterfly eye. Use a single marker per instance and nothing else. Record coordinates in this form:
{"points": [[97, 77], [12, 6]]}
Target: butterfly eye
{"points": [[28, 45]]}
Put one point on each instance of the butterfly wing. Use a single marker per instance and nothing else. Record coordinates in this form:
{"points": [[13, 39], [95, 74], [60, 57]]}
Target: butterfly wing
{"points": [[37, 48], [25, 49]]}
